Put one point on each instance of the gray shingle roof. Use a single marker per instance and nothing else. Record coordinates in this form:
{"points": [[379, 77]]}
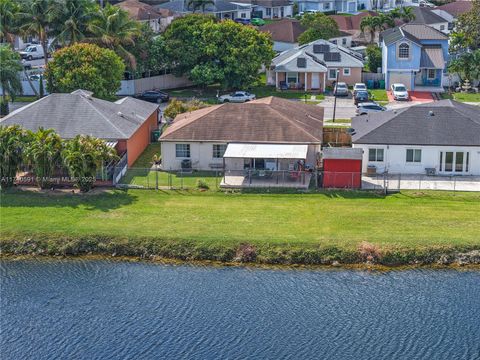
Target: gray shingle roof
{"points": [[450, 123], [286, 61], [413, 32], [426, 16], [80, 113], [432, 57], [180, 6]]}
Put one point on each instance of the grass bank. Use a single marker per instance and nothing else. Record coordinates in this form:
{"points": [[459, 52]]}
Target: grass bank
{"points": [[314, 228]]}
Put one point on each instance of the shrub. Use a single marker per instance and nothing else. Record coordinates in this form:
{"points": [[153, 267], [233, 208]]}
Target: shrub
{"points": [[369, 252], [202, 184], [176, 107], [246, 253]]}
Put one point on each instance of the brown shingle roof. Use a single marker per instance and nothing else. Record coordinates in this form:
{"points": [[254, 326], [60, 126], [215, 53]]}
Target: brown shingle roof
{"points": [[351, 22], [267, 120], [456, 8], [138, 10], [286, 30]]}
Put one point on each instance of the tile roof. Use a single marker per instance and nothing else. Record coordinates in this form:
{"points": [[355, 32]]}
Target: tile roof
{"points": [[444, 123], [457, 8], [138, 10], [287, 60], [413, 32], [267, 120], [426, 16], [351, 22], [432, 57], [285, 30], [80, 113]]}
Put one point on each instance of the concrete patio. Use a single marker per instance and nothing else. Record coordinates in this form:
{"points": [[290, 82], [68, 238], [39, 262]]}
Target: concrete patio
{"points": [[277, 180]]}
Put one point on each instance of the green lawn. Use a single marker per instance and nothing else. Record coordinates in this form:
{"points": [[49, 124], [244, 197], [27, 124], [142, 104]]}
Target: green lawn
{"points": [[213, 219], [378, 95], [463, 97], [149, 178]]}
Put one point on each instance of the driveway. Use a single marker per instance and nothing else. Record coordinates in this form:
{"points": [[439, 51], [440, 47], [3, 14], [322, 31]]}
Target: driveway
{"points": [[345, 107]]}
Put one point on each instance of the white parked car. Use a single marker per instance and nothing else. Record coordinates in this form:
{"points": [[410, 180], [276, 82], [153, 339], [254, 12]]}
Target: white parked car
{"points": [[237, 97], [32, 52], [368, 107], [359, 86], [400, 92]]}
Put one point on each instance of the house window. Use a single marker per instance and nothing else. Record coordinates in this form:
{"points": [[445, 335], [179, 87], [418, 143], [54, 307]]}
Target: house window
{"points": [[404, 51], [346, 71], [375, 154], [182, 150], [414, 155], [243, 15], [442, 27], [334, 42], [344, 41], [219, 150], [326, 6], [268, 11], [431, 74], [292, 77], [332, 74]]}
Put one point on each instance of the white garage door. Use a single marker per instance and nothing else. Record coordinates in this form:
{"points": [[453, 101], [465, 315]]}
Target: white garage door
{"points": [[400, 78], [315, 81]]}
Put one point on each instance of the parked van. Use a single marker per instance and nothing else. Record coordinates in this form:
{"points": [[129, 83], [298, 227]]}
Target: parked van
{"points": [[32, 52]]}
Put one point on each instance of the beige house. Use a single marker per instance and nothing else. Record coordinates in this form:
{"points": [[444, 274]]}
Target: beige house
{"points": [[265, 135], [314, 66]]}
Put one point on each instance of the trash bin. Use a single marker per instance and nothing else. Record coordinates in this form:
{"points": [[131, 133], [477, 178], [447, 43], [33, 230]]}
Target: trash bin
{"points": [[186, 164], [155, 135], [370, 84], [381, 84]]}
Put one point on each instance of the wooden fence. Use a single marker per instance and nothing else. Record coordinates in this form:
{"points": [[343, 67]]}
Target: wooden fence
{"points": [[337, 137]]}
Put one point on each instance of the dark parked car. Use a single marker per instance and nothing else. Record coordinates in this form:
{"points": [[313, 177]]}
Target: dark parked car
{"points": [[360, 96], [242, 21], [154, 96]]}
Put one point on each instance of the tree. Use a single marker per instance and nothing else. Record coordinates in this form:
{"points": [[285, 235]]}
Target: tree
{"points": [[85, 66], [12, 142], [84, 156], [70, 21], [9, 11], [467, 66], [176, 107], [406, 14], [466, 35], [111, 27], [211, 52], [9, 76], [199, 4], [43, 151], [318, 26], [374, 57], [36, 19], [376, 23]]}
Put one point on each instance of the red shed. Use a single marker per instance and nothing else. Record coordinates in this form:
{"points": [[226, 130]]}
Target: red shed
{"points": [[342, 168]]}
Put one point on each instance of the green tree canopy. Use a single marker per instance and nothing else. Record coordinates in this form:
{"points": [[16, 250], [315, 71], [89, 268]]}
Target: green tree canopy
{"points": [[466, 34], [210, 52], [318, 26], [12, 142], [85, 66], [9, 10], [10, 68], [374, 57], [373, 24], [70, 19], [467, 66]]}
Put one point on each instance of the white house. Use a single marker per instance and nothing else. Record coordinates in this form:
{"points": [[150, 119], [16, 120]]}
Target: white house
{"points": [[434, 138], [268, 9], [269, 134]]}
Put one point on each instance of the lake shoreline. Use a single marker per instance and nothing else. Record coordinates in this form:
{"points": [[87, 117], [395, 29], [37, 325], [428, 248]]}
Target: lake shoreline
{"points": [[366, 256]]}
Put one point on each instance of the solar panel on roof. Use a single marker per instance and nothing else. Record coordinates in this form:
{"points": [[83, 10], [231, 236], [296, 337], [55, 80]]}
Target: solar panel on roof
{"points": [[301, 62], [320, 48], [331, 56]]}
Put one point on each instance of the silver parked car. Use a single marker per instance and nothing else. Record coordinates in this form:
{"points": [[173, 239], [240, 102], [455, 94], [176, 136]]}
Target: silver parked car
{"points": [[237, 97], [400, 92], [341, 89], [368, 107]]}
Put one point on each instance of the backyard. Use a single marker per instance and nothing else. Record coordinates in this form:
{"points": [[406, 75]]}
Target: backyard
{"points": [[463, 97], [272, 222]]}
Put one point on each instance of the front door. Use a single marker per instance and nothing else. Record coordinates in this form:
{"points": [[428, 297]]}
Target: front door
{"points": [[315, 80], [454, 162]]}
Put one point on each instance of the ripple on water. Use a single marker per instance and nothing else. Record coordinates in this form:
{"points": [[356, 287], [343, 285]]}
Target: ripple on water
{"points": [[101, 310]]}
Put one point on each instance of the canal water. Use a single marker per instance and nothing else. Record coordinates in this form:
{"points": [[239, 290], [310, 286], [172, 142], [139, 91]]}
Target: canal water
{"points": [[77, 309]]}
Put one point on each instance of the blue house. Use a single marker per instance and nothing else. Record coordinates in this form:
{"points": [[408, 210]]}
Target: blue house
{"points": [[415, 55]]}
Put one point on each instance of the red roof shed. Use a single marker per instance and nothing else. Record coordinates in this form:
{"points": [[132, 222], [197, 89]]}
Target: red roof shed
{"points": [[342, 168]]}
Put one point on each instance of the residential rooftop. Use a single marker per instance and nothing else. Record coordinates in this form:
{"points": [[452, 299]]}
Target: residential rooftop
{"points": [[414, 32]]}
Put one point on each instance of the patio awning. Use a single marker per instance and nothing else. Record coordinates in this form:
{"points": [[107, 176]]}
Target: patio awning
{"points": [[266, 151], [432, 58], [111, 144]]}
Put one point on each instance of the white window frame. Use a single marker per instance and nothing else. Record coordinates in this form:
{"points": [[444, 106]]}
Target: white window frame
{"points": [[268, 11], [187, 150], [296, 77], [442, 27], [344, 41], [399, 51], [377, 150], [414, 153], [434, 74], [347, 73], [334, 42], [217, 152], [326, 6], [335, 77]]}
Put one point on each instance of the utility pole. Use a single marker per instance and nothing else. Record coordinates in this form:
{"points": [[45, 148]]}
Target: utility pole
{"points": [[335, 96]]}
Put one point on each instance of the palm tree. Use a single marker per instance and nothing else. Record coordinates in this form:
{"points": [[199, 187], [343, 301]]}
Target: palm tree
{"points": [[407, 14], [43, 151], [111, 27], [9, 75], [70, 19], [369, 23], [199, 4], [36, 19], [8, 20], [12, 141]]}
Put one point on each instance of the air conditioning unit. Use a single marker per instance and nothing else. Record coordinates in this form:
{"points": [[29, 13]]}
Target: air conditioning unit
{"points": [[430, 171], [371, 170]]}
